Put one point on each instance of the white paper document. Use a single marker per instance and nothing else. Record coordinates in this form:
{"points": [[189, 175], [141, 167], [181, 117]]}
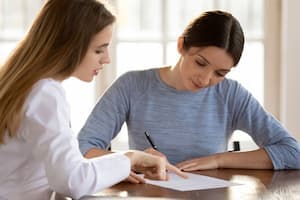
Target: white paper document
{"points": [[194, 182]]}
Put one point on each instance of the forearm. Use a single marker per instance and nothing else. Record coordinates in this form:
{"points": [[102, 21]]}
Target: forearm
{"points": [[95, 152], [257, 159]]}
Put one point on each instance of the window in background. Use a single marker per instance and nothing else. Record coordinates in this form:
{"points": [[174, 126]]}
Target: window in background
{"points": [[145, 40], [15, 18]]}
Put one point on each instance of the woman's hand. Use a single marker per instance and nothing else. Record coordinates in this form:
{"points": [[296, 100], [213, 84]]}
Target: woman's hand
{"points": [[203, 163], [170, 167], [134, 178], [152, 166], [155, 152], [256, 159]]}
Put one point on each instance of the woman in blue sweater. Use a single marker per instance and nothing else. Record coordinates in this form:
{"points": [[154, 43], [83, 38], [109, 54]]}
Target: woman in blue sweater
{"points": [[191, 109]]}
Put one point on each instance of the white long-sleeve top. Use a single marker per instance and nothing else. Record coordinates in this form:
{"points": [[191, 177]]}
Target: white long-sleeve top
{"points": [[45, 156]]}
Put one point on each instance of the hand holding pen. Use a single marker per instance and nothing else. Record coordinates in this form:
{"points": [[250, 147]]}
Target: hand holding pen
{"points": [[154, 150], [150, 140]]}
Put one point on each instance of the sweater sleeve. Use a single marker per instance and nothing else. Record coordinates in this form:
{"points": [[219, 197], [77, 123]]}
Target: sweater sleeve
{"points": [[53, 143], [107, 117], [249, 116]]}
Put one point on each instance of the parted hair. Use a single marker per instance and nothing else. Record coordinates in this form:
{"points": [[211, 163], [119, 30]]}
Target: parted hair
{"points": [[216, 28], [52, 48]]}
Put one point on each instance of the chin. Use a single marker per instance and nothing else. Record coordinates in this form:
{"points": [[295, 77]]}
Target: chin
{"points": [[86, 79], [89, 80]]}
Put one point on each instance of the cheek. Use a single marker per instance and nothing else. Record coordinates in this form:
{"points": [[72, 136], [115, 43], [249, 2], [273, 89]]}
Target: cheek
{"points": [[90, 63], [84, 62], [90, 58], [186, 75], [188, 70]]}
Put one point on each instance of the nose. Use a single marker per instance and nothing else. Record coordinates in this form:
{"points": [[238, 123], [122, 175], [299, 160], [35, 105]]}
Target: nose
{"points": [[205, 79], [105, 59]]}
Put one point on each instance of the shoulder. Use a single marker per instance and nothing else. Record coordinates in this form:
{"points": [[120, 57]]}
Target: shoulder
{"points": [[137, 75], [46, 87], [46, 93], [231, 90], [137, 80], [229, 86]]}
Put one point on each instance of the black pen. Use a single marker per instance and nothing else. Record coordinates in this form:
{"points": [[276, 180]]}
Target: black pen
{"points": [[150, 140]]}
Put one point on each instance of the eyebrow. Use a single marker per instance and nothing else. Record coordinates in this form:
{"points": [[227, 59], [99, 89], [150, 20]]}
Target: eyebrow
{"points": [[223, 70], [102, 45], [204, 59]]}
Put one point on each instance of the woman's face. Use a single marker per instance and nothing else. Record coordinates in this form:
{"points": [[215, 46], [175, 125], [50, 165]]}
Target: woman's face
{"points": [[201, 67], [96, 56]]}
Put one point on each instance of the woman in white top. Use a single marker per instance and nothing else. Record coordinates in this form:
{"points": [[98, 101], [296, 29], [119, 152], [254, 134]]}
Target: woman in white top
{"points": [[38, 151]]}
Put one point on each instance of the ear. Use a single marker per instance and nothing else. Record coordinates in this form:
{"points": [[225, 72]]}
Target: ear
{"points": [[180, 42]]}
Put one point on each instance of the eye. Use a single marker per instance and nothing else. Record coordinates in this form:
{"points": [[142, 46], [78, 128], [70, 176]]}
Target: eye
{"points": [[220, 74], [98, 51], [200, 63]]}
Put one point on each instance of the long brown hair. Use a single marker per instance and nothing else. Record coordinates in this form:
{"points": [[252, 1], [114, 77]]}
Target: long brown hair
{"points": [[54, 46]]}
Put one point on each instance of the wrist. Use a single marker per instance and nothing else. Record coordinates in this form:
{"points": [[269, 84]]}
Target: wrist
{"points": [[219, 160], [96, 152], [131, 156]]}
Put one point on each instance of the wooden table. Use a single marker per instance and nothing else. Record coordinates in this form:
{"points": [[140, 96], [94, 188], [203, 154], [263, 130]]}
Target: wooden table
{"points": [[255, 185]]}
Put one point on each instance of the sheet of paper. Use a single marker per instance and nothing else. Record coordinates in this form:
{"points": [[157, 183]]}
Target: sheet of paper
{"points": [[194, 182]]}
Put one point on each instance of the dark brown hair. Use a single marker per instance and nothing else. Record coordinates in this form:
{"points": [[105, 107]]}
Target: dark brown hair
{"points": [[216, 28]]}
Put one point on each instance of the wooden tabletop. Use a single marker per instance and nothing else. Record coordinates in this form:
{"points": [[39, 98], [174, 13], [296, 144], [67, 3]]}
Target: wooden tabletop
{"points": [[255, 184]]}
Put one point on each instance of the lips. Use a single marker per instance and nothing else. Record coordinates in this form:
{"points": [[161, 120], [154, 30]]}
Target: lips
{"points": [[197, 85], [96, 71]]}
